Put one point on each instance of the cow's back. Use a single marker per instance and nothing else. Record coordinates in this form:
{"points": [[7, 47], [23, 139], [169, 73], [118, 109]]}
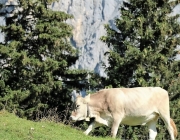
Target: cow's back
{"points": [[143, 98], [139, 101]]}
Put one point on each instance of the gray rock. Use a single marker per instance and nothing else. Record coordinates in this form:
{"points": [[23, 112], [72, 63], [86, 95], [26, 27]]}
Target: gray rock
{"points": [[2, 23], [88, 23]]}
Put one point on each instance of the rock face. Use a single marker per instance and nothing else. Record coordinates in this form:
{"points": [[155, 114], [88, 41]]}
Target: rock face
{"points": [[2, 22], [88, 23]]}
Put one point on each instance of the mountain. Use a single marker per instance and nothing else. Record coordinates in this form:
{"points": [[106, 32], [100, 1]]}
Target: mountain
{"points": [[88, 23]]}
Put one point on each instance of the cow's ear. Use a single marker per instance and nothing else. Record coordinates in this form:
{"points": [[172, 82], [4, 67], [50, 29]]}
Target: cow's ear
{"points": [[87, 98]]}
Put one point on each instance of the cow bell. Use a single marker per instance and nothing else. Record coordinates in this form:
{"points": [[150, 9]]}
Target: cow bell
{"points": [[87, 119]]}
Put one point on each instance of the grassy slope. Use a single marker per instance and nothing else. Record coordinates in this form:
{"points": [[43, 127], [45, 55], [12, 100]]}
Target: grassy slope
{"points": [[14, 128]]}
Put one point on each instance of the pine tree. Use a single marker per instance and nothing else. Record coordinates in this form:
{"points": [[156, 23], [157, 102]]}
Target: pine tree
{"points": [[143, 47], [36, 57]]}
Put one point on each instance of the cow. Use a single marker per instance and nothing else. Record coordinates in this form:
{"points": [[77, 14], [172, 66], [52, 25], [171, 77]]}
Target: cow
{"points": [[128, 106]]}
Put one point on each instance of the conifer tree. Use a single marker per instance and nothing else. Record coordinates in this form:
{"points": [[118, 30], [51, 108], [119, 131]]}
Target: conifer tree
{"points": [[143, 45], [143, 48], [36, 57]]}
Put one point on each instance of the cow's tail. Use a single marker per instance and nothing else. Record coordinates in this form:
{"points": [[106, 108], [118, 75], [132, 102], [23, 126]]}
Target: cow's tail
{"points": [[174, 127]]}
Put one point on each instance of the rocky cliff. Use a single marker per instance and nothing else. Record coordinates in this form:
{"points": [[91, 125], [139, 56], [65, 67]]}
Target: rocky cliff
{"points": [[88, 22]]}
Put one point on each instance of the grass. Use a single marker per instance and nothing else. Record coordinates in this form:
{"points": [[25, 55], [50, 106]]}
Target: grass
{"points": [[15, 128]]}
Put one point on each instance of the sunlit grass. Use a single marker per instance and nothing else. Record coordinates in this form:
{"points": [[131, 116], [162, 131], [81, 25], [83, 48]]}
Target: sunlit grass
{"points": [[15, 128]]}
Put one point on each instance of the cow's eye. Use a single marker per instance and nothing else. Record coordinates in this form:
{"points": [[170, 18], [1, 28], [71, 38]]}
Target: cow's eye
{"points": [[77, 106]]}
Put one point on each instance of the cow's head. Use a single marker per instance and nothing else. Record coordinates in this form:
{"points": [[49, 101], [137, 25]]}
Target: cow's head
{"points": [[80, 108]]}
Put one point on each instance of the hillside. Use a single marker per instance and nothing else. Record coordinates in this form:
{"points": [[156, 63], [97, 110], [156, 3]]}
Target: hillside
{"points": [[14, 128]]}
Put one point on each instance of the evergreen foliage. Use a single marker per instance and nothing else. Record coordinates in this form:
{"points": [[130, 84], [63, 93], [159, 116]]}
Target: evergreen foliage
{"points": [[143, 49], [36, 57], [95, 82]]}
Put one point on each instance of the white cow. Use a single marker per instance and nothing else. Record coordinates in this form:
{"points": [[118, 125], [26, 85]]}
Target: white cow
{"points": [[129, 106]]}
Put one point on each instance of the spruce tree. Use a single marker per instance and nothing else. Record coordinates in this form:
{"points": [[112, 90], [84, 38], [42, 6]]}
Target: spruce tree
{"points": [[143, 48], [36, 57]]}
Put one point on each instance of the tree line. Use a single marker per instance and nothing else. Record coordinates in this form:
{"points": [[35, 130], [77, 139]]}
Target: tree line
{"points": [[36, 58]]}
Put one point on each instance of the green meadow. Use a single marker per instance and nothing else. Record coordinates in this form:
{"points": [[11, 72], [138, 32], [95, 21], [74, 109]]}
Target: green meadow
{"points": [[15, 128]]}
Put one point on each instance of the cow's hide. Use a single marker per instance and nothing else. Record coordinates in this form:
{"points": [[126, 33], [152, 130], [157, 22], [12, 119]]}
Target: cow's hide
{"points": [[129, 106]]}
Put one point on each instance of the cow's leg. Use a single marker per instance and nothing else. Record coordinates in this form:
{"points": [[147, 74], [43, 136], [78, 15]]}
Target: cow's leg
{"points": [[152, 129], [102, 121], [167, 122], [115, 125], [91, 127], [165, 116]]}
